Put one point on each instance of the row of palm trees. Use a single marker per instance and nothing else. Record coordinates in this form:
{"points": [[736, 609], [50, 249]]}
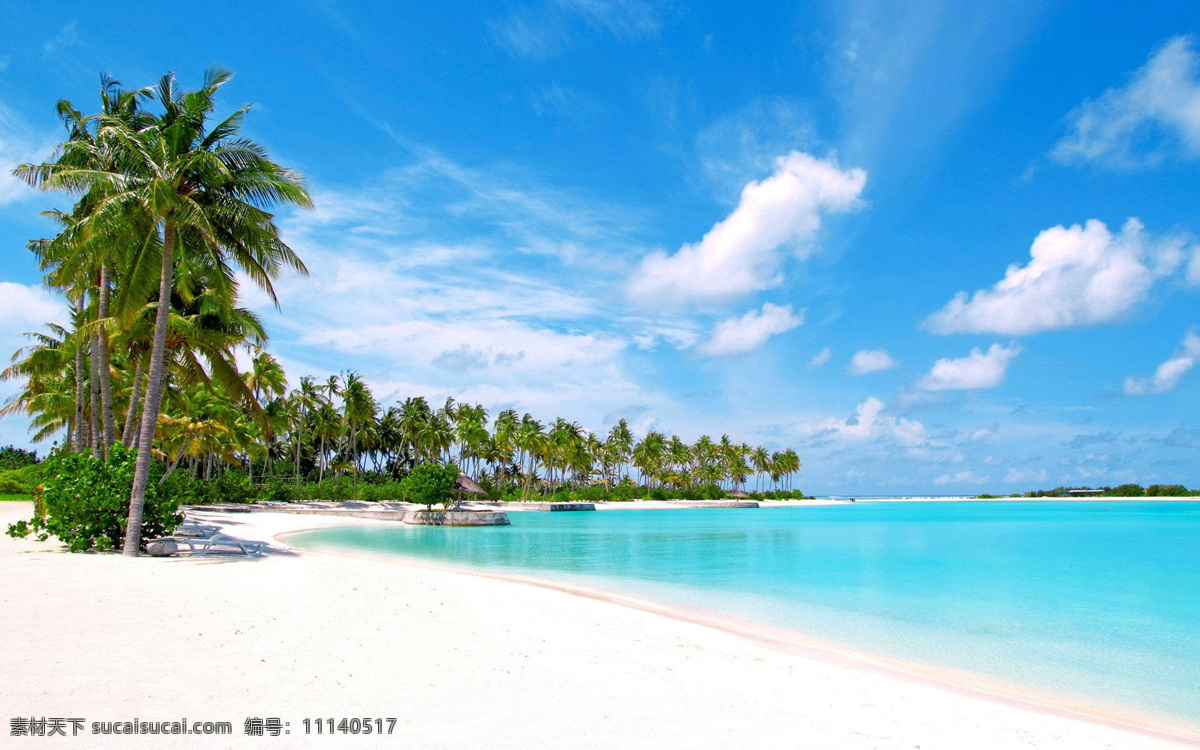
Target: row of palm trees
{"points": [[339, 426]]}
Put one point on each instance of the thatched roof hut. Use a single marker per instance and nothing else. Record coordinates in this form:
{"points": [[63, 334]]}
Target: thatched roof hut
{"points": [[467, 485], [737, 495]]}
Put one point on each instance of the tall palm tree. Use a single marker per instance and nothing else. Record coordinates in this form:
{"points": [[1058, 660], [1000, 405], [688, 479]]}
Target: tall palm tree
{"points": [[203, 193], [358, 412]]}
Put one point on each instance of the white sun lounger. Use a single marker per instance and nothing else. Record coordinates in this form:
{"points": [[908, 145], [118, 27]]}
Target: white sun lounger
{"points": [[202, 546], [201, 540]]}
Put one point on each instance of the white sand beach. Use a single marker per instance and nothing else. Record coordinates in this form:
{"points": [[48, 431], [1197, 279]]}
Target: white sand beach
{"points": [[459, 660]]}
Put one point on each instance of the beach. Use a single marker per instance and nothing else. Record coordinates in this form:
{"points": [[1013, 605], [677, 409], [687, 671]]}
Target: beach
{"points": [[457, 659]]}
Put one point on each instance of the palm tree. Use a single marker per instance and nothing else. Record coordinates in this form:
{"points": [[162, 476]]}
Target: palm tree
{"points": [[202, 192], [358, 411]]}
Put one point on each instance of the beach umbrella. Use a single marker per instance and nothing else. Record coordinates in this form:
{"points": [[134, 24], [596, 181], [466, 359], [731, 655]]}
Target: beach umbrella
{"points": [[464, 486], [737, 495], [467, 485]]}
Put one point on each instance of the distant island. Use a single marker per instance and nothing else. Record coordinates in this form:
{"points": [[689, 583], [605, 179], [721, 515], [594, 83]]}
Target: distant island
{"points": [[1121, 490]]}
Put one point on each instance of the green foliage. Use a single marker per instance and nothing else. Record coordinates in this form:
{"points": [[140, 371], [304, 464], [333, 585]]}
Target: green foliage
{"points": [[656, 494], [1167, 490], [429, 484], [21, 481], [277, 491], [232, 486], [374, 493], [86, 502], [16, 458], [1126, 490]]}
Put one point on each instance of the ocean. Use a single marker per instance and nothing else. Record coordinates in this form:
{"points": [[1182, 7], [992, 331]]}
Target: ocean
{"points": [[1094, 600]]}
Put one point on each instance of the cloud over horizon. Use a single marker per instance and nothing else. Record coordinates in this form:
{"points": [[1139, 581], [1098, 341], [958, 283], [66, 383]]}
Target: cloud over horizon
{"points": [[1170, 372], [1076, 276]]}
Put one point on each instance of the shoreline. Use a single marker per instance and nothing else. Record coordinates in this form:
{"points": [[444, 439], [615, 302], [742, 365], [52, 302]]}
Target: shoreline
{"points": [[963, 682], [303, 633]]}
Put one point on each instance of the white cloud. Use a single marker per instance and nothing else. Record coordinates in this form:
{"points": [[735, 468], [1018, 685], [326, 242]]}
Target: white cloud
{"points": [[742, 334], [869, 422], [543, 31], [68, 36], [870, 360], [981, 433], [18, 144], [25, 308], [962, 477], [1078, 275], [1144, 121], [821, 358], [1017, 476], [742, 254], [977, 370], [1169, 373]]}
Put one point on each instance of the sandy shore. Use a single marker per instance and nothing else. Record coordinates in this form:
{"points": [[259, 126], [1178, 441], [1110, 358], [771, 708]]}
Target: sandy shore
{"points": [[458, 660]]}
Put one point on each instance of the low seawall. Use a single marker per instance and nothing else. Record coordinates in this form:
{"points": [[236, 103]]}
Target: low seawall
{"points": [[456, 518]]}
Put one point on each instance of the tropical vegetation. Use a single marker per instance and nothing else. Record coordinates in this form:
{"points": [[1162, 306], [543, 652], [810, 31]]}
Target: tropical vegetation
{"points": [[158, 364]]}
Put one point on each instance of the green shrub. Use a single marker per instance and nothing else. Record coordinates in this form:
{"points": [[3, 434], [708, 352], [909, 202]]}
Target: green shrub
{"points": [[430, 484], [1166, 490], [1126, 490], [16, 458], [86, 502], [656, 494], [277, 491], [374, 493], [12, 487]]}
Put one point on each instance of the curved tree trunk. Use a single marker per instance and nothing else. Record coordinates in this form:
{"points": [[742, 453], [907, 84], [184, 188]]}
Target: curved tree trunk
{"points": [[128, 434], [106, 396], [154, 391]]}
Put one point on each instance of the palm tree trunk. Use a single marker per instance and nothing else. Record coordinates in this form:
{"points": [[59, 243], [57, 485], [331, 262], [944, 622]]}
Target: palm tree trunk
{"points": [[94, 395], [299, 441], [154, 391], [135, 396], [354, 452], [106, 397], [80, 427]]}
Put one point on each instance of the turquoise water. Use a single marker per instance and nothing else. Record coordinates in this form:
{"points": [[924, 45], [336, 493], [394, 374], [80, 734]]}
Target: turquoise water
{"points": [[1093, 599]]}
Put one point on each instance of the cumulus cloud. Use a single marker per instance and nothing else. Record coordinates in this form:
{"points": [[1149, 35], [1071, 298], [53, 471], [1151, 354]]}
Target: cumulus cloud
{"points": [[1017, 476], [1156, 114], [820, 359], [962, 477], [869, 422], [1076, 276], [870, 360], [742, 334], [1169, 373], [24, 308], [979, 369], [742, 254]]}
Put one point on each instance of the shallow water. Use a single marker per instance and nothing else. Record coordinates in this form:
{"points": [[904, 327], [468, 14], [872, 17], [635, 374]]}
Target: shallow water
{"points": [[1094, 599]]}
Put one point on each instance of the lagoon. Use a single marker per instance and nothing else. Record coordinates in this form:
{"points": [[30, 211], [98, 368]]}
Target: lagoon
{"points": [[1094, 600]]}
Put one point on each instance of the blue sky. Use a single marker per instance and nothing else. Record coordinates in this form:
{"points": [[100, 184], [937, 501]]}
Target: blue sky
{"points": [[935, 247]]}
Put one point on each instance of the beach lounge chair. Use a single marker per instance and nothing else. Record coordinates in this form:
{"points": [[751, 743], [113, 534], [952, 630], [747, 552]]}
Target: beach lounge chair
{"points": [[202, 546], [201, 540]]}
